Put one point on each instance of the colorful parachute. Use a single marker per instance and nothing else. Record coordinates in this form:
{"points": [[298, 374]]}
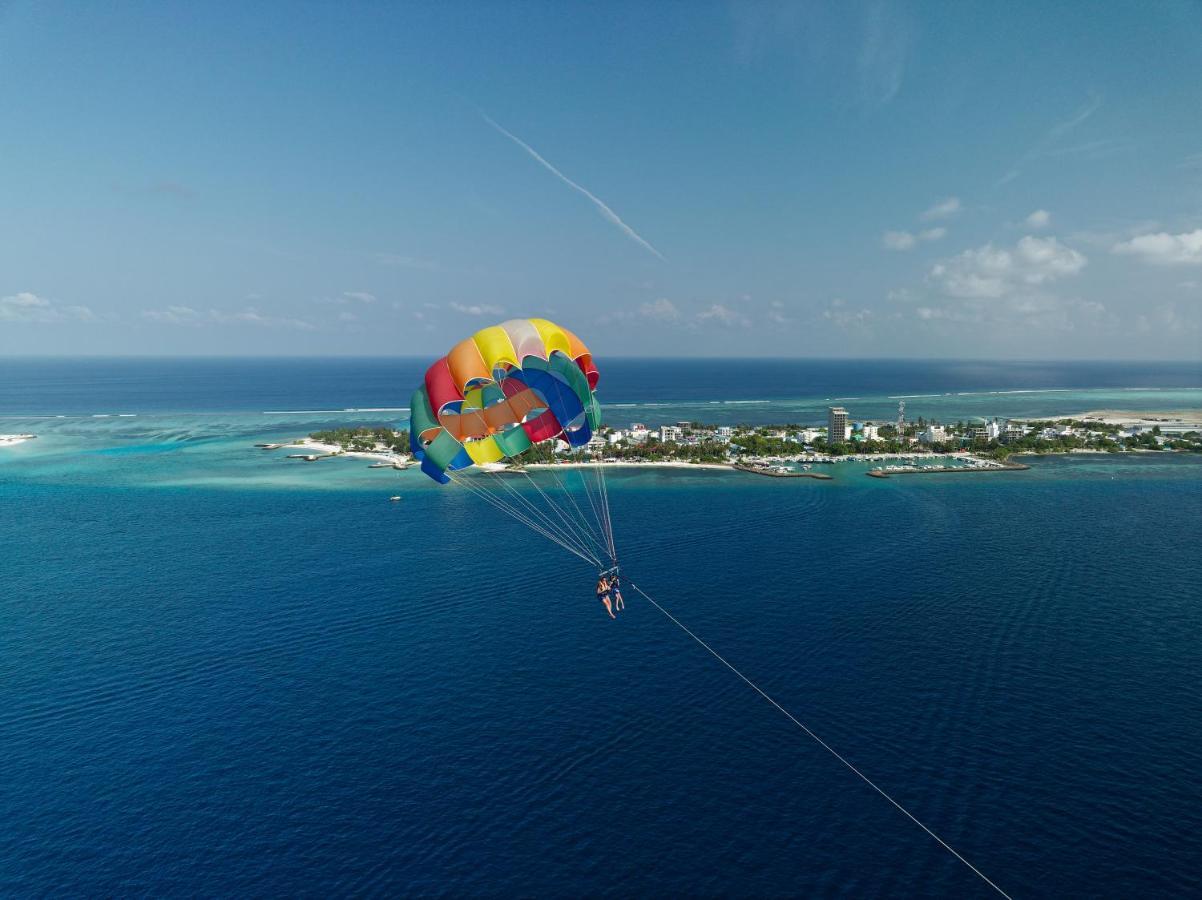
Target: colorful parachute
{"points": [[499, 392], [492, 398]]}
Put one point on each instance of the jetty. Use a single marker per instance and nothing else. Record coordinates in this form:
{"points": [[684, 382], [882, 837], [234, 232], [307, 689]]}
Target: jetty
{"points": [[944, 470], [780, 472]]}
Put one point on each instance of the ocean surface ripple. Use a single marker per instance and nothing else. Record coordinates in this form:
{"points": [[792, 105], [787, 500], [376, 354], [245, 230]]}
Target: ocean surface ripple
{"points": [[224, 673]]}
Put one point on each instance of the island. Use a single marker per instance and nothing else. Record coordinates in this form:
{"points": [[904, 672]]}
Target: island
{"points": [[386, 446], [793, 450]]}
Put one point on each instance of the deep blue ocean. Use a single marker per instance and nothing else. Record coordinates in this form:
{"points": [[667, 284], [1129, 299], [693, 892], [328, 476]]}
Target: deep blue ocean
{"points": [[223, 672]]}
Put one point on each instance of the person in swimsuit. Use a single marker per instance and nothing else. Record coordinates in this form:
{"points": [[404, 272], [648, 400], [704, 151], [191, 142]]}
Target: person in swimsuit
{"points": [[616, 592], [603, 596]]}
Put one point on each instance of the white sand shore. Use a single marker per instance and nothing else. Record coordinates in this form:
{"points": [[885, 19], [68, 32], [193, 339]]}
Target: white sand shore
{"points": [[630, 463], [318, 447], [1174, 419], [10, 440]]}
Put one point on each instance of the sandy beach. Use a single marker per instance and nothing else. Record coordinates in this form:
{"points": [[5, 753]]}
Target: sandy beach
{"points": [[1174, 419], [623, 463], [323, 449], [11, 440]]}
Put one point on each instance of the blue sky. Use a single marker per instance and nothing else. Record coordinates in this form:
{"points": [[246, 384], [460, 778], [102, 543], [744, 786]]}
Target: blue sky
{"points": [[846, 179]]}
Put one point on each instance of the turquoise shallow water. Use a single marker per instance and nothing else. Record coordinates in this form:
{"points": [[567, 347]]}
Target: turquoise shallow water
{"points": [[224, 672]]}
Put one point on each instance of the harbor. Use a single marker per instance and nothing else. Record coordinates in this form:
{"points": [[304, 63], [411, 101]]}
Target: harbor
{"points": [[779, 471], [889, 471]]}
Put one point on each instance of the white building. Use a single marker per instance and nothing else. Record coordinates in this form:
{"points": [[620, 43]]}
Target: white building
{"points": [[1013, 432], [670, 433], [871, 432], [935, 434], [724, 432], [638, 433], [993, 431]]}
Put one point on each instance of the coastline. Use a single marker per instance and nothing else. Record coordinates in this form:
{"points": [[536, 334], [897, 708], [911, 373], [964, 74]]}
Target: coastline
{"points": [[660, 464], [322, 450], [1174, 419], [11, 440]]}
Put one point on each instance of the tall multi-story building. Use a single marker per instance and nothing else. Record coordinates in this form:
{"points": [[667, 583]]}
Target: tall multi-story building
{"points": [[670, 433], [836, 425]]}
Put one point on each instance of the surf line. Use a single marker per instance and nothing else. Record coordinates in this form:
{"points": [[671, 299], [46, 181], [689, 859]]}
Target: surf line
{"points": [[831, 750]]}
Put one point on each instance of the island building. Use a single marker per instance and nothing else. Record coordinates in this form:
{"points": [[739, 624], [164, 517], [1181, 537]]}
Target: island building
{"points": [[670, 433], [1013, 432], [638, 432], [836, 425], [934, 434]]}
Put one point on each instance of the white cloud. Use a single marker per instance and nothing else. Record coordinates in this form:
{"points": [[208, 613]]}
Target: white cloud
{"points": [[1041, 218], [661, 310], [348, 297], [776, 314], [724, 315], [174, 315], [944, 209], [1008, 289], [252, 316], [906, 240], [1167, 318], [29, 307], [1046, 259], [477, 309], [1164, 249], [898, 240], [841, 315], [990, 272], [187, 316]]}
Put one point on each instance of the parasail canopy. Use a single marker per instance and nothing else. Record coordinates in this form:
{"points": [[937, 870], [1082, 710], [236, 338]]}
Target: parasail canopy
{"points": [[492, 398], [499, 392]]}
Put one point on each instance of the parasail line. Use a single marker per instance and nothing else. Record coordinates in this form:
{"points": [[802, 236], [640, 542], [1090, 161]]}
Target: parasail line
{"points": [[583, 469], [525, 520], [609, 522], [546, 519], [586, 537], [820, 741], [583, 519]]}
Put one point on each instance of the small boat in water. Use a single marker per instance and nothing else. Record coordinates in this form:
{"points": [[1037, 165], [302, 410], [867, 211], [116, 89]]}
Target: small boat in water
{"points": [[393, 499]]}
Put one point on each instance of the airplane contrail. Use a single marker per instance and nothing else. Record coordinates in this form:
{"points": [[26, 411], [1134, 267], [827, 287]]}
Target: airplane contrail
{"points": [[605, 211]]}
